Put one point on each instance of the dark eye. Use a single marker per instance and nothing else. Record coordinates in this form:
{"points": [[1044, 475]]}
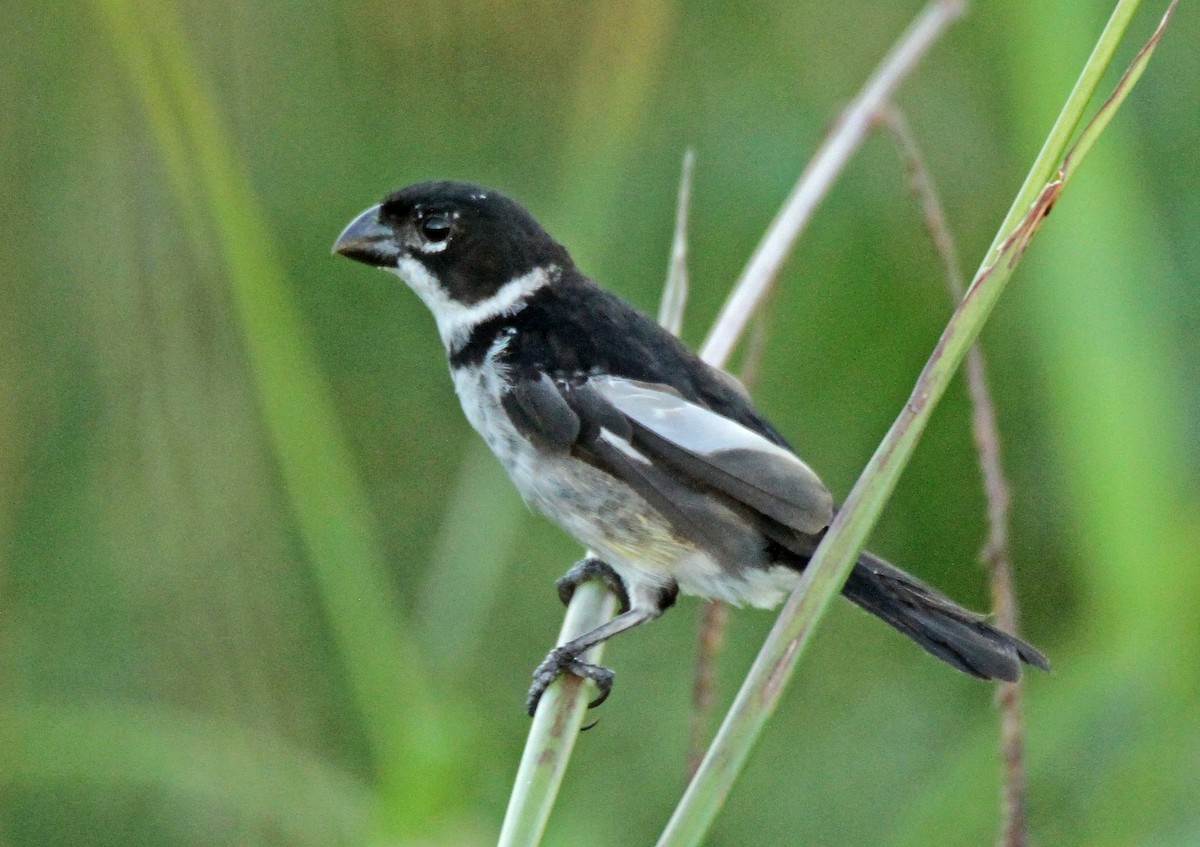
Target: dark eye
{"points": [[435, 228]]}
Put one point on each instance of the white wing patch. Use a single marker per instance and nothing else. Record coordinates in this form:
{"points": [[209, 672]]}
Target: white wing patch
{"points": [[622, 445], [778, 482]]}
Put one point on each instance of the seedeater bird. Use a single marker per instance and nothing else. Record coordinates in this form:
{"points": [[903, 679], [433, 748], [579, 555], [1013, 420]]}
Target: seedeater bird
{"points": [[609, 425]]}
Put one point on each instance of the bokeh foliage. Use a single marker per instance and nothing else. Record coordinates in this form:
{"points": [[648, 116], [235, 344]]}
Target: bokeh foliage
{"points": [[260, 585]]}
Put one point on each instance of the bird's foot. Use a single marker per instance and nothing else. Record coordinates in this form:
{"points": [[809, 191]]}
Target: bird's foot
{"points": [[561, 660], [592, 568]]}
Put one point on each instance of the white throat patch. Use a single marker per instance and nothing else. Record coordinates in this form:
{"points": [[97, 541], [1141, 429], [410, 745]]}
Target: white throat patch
{"points": [[456, 320]]}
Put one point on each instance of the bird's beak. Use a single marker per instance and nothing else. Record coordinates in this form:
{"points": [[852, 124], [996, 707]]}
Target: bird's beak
{"points": [[367, 240]]}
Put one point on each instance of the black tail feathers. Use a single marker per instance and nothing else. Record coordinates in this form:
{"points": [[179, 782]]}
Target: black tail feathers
{"points": [[955, 635]]}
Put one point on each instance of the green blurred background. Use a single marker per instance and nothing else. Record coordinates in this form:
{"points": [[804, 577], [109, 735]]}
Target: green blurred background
{"points": [[259, 583]]}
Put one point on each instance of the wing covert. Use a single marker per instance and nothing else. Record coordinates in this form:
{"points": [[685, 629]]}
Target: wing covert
{"points": [[682, 458], [721, 453]]}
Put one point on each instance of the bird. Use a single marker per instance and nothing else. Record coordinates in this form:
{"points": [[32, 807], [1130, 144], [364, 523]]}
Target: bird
{"points": [[659, 464]]}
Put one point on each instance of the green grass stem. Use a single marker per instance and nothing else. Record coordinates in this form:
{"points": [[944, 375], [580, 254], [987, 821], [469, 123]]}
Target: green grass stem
{"points": [[555, 727], [834, 558]]}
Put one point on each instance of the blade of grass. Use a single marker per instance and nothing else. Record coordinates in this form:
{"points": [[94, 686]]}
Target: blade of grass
{"points": [[1128, 80], [1116, 376], [675, 292], [555, 727], [408, 731], [852, 127], [1113, 369], [1051, 154], [831, 563], [1111, 366]]}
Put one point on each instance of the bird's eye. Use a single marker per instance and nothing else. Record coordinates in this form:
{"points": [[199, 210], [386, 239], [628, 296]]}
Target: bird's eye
{"points": [[435, 228]]}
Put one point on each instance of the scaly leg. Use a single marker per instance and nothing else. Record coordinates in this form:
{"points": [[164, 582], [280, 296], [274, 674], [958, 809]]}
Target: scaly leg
{"points": [[566, 656]]}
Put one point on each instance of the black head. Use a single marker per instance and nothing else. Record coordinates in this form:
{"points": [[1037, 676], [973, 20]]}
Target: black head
{"points": [[466, 240]]}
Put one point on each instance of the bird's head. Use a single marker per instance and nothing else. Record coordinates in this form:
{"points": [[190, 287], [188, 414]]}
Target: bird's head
{"points": [[468, 252]]}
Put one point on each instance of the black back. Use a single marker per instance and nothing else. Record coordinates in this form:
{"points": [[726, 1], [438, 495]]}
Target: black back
{"points": [[573, 329]]}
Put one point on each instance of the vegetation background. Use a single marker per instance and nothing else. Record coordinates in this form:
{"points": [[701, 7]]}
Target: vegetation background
{"points": [[259, 582]]}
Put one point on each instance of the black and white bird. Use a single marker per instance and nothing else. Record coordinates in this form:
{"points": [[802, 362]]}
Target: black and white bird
{"points": [[608, 424]]}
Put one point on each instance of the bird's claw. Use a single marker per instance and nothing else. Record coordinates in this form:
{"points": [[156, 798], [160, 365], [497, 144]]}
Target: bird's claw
{"points": [[559, 661], [592, 568]]}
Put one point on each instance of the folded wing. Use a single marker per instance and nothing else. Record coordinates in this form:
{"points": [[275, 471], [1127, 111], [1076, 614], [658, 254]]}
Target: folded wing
{"points": [[681, 457]]}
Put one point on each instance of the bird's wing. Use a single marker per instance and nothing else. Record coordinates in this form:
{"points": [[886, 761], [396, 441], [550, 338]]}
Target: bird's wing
{"points": [[720, 453], [679, 455]]}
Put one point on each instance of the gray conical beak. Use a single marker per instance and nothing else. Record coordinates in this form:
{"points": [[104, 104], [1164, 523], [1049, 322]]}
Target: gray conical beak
{"points": [[367, 240]]}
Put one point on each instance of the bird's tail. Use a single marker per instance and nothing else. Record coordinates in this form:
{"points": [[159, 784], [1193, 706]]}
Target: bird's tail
{"points": [[955, 635]]}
